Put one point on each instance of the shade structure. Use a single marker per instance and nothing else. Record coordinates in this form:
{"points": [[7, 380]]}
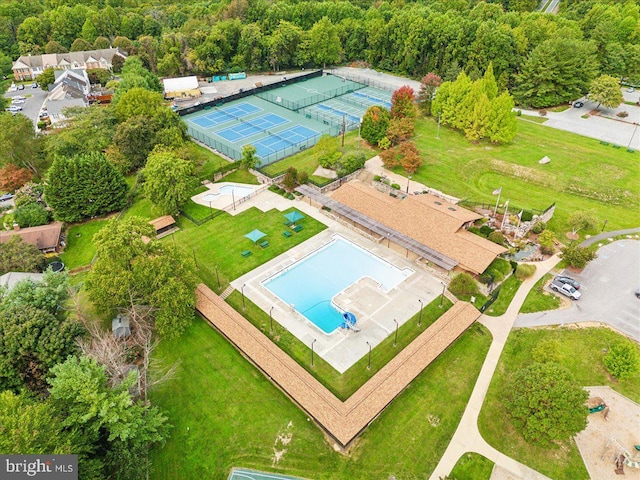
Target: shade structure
{"points": [[255, 235], [294, 216]]}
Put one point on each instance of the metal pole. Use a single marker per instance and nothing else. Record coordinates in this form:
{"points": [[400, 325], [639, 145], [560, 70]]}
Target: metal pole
{"points": [[395, 342], [271, 321], [420, 317], [631, 139], [211, 209], [444, 287], [218, 277], [242, 290], [314, 341], [495, 210], [369, 364], [604, 225], [194, 257], [233, 199], [359, 137], [438, 131]]}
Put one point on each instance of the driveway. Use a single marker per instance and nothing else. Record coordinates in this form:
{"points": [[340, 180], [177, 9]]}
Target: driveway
{"points": [[608, 286], [33, 102]]}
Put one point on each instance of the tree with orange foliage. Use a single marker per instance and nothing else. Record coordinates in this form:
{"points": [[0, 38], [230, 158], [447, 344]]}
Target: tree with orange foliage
{"points": [[402, 103], [13, 177]]}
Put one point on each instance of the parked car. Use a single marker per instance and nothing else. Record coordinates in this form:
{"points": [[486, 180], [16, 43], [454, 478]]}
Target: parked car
{"points": [[14, 108], [17, 101], [19, 97], [569, 281], [638, 293], [565, 289], [5, 197], [13, 87], [578, 104], [631, 90], [21, 87], [34, 85]]}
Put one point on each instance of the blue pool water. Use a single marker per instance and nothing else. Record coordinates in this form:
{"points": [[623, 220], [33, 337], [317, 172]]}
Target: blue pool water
{"points": [[238, 192], [311, 283]]}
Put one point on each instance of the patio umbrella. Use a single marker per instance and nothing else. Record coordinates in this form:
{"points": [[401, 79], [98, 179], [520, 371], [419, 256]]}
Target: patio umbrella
{"points": [[294, 216], [255, 235]]}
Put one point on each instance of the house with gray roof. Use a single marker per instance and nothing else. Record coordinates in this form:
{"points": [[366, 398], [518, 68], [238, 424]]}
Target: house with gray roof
{"points": [[28, 67]]}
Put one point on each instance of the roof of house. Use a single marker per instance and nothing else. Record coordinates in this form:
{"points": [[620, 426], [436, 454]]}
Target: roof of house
{"points": [[12, 278], [180, 84], [429, 220], [120, 326], [52, 59], [43, 237], [162, 222]]}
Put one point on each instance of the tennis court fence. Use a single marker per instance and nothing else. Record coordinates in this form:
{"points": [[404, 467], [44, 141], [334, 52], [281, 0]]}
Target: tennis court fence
{"points": [[332, 119], [296, 105], [366, 80]]}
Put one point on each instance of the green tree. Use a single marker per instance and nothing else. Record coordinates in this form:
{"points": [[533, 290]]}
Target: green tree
{"points": [[19, 144], [546, 404], [577, 256], [135, 138], [89, 32], [324, 44], [138, 102], [582, 220], [428, 86], [402, 103], [31, 215], [168, 180], [502, 124], [101, 43], [155, 274], [622, 360], [80, 45], [328, 150], [290, 178], [84, 186], [606, 91], [54, 47], [249, 158], [375, 123], [46, 78], [18, 256], [283, 44]]}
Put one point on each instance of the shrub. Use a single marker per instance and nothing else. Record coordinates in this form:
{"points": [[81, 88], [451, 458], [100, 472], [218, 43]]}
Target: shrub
{"points": [[31, 215], [545, 240], [41, 125], [376, 178], [525, 271], [527, 216], [539, 227], [463, 284], [622, 361], [546, 351], [497, 237], [303, 177], [395, 186], [485, 278], [577, 256], [475, 231], [622, 114], [486, 230], [542, 113]]}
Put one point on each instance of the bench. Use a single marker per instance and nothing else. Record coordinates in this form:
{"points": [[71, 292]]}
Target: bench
{"points": [[264, 244], [287, 223], [287, 233], [297, 228], [246, 253]]}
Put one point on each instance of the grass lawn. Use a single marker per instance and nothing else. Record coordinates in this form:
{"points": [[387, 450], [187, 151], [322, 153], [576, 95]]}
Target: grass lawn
{"points": [[538, 300], [342, 386], [142, 207], [195, 210], [472, 466], [226, 413], [532, 118], [80, 249], [241, 176], [581, 352], [308, 160], [508, 290], [221, 242], [207, 162], [582, 175]]}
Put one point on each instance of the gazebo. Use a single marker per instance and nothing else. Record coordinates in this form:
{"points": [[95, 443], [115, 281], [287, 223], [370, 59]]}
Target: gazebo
{"points": [[293, 217], [255, 235]]}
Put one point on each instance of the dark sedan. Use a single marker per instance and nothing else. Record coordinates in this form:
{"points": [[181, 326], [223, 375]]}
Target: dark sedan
{"points": [[569, 281]]}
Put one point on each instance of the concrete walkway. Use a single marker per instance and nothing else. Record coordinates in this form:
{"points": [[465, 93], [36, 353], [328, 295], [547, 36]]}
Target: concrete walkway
{"points": [[467, 438], [605, 235]]}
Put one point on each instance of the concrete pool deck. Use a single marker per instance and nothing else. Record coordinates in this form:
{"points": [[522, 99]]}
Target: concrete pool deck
{"points": [[375, 310], [214, 199]]}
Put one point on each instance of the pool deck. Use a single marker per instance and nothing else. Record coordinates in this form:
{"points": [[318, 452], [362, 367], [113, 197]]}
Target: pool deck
{"points": [[226, 202], [375, 309]]}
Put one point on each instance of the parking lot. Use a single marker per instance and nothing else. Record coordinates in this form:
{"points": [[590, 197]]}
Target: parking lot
{"points": [[33, 101], [608, 286]]}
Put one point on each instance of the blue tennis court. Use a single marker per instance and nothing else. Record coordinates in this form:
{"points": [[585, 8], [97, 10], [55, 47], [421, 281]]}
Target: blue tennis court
{"points": [[373, 100], [248, 128], [283, 139], [327, 108], [225, 115], [246, 474]]}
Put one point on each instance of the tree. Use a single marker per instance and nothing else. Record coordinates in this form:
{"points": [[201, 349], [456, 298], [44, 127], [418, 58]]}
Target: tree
{"points": [[18, 256], [168, 180], [138, 102], [402, 103], [324, 44], [400, 129], [606, 91], [546, 241], [101, 43], [410, 157], [545, 404], [501, 123], [428, 86], [328, 150], [581, 220], [84, 186], [375, 122], [13, 177], [99, 76], [19, 144], [249, 158], [54, 47], [623, 360], [283, 44], [80, 45], [134, 139], [46, 78], [290, 178], [31, 215], [577, 256], [463, 284], [154, 274]]}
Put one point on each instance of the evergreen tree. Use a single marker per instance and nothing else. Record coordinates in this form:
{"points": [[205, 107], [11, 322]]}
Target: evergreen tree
{"points": [[502, 124]]}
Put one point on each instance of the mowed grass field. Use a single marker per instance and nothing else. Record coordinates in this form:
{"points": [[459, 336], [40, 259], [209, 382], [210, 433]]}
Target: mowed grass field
{"points": [[578, 350], [582, 175], [226, 413]]}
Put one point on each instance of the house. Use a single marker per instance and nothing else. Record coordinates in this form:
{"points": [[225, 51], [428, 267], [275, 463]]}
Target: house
{"points": [[426, 219], [164, 225], [70, 89], [120, 326], [28, 67], [182, 87], [10, 279], [45, 237]]}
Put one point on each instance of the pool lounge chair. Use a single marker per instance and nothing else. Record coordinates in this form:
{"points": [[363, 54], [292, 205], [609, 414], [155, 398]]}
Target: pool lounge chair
{"points": [[246, 253], [297, 228]]}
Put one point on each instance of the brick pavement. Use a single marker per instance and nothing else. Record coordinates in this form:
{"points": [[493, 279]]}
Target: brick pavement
{"points": [[343, 421]]}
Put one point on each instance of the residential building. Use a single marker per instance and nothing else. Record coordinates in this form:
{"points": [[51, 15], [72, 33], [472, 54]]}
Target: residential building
{"points": [[44, 237]]}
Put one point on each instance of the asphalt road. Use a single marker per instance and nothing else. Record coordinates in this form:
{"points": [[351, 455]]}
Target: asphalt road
{"points": [[607, 285], [33, 102]]}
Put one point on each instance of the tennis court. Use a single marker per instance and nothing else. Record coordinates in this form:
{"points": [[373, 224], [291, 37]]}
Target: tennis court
{"points": [[246, 474], [367, 97], [225, 115], [249, 128], [284, 139]]}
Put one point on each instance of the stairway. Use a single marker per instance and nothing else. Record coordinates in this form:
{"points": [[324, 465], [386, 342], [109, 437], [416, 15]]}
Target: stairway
{"points": [[227, 291]]}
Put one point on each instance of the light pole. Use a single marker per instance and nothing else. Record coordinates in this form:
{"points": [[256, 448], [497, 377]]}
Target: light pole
{"points": [[314, 341], [369, 363], [604, 225], [218, 277], [359, 137], [271, 321], [233, 199], [210, 209], [242, 290], [408, 180], [438, 131], [444, 287], [420, 317], [395, 342]]}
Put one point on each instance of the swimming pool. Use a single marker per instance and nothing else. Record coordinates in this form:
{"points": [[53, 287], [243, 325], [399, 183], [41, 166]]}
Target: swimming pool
{"points": [[238, 192], [310, 284]]}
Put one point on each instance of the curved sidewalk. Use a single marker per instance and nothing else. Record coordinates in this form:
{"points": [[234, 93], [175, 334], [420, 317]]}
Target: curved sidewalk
{"points": [[467, 437], [605, 235]]}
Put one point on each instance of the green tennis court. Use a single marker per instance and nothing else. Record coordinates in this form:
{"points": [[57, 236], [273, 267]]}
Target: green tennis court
{"points": [[245, 474]]}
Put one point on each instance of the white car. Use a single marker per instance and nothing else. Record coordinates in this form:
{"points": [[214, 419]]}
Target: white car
{"points": [[19, 97], [13, 87], [17, 101], [14, 108], [631, 90]]}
